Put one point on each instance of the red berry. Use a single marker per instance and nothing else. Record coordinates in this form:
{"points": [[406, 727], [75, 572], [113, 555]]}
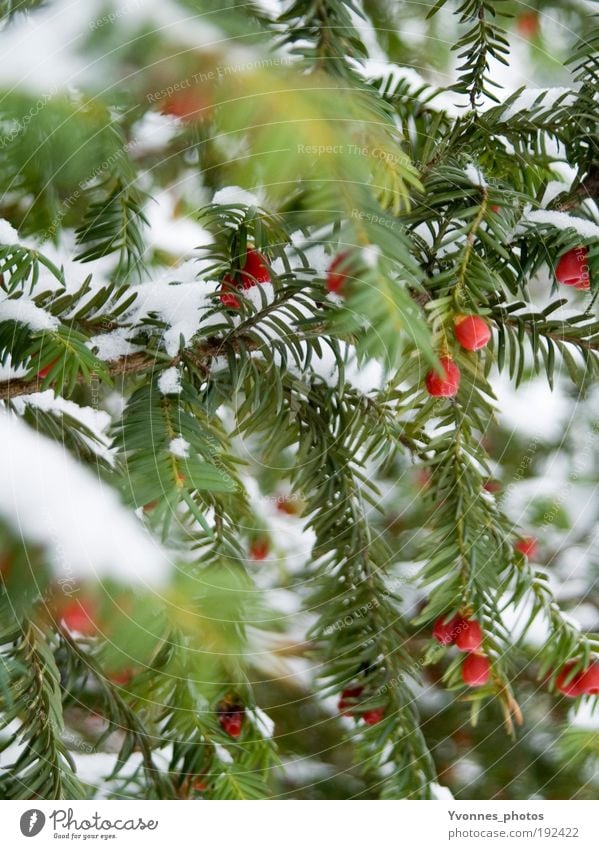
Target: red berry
{"points": [[589, 681], [335, 279], [371, 717], [78, 615], [476, 670], [491, 485], [572, 687], [348, 699], [496, 209], [471, 331], [188, 105], [528, 547], [445, 385], [259, 549], [45, 371], [122, 677], [527, 24], [469, 636], [231, 715], [228, 299], [232, 724], [572, 269], [445, 632], [254, 271]]}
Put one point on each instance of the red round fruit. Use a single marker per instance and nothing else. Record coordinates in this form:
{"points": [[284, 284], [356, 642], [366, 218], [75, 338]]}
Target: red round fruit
{"points": [[573, 270], [492, 485], [476, 670], [371, 717], [122, 677], [78, 615], [190, 105], [227, 298], [471, 331], [589, 680], [528, 547], [527, 24], [254, 271], [445, 632], [232, 723], [349, 697], [231, 715], [469, 636], [445, 385], [335, 279], [569, 685], [259, 549]]}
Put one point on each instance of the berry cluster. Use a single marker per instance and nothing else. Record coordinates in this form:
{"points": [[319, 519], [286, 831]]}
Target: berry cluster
{"points": [[467, 635], [349, 701], [472, 333]]}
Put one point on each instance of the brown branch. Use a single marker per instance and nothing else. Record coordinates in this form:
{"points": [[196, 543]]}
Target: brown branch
{"points": [[137, 362]]}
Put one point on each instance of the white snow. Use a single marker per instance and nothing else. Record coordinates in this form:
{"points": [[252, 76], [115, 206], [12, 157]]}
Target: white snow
{"points": [[179, 299], [169, 382], [112, 346], [561, 220], [152, 132], [232, 195], [26, 312], [8, 234], [260, 295], [168, 231], [475, 176], [50, 499], [438, 791], [179, 447], [585, 715], [222, 754], [262, 721], [97, 421]]}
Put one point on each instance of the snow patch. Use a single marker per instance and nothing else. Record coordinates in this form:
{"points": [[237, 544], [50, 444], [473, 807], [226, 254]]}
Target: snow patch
{"points": [[112, 346], [96, 421], [562, 221], [475, 176], [179, 447], [234, 195], [26, 312], [169, 382], [8, 234], [50, 499]]}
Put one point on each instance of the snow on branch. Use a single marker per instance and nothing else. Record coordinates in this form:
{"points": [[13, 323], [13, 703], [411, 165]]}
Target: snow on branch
{"points": [[51, 500]]}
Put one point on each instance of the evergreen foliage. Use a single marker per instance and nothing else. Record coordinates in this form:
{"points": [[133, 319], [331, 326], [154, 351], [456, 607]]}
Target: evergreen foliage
{"points": [[218, 409]]}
